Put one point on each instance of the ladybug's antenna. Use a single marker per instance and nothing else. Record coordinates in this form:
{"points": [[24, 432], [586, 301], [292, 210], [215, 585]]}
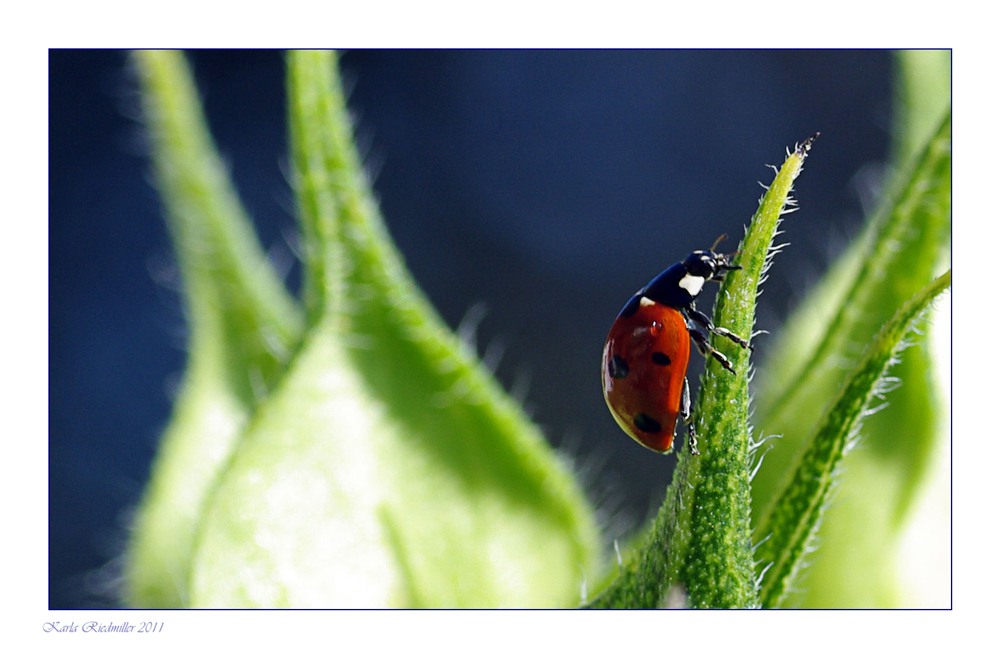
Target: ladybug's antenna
{"points": [[717, 241]]}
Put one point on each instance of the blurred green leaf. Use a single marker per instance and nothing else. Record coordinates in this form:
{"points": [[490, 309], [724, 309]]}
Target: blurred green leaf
{"points": [[243, 328], [898, 254], [923, 96], [388, 468], [792, 521]]}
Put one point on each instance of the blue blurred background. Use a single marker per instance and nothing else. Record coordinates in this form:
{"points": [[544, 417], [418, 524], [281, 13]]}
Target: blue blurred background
{"points": [[542, 187]]}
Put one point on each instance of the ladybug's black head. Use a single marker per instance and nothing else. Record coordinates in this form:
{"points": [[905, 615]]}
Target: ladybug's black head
{"points": [[678, 285], [708, 264]]}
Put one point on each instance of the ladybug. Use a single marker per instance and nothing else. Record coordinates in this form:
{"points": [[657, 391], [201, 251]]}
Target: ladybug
{"points": [[646, 354]]}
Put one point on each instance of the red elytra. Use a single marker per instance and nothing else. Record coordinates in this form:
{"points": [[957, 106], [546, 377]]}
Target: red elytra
{"points": [[646, 354], [645, 362]]}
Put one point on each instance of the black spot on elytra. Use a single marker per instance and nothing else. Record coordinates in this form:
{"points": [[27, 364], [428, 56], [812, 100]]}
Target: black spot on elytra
{"points": [[661, 359], [618, 367], [644, 423]]}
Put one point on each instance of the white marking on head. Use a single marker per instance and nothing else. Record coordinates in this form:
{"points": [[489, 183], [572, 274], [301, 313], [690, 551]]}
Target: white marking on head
{"points": [[646, 301], [692, 284]]}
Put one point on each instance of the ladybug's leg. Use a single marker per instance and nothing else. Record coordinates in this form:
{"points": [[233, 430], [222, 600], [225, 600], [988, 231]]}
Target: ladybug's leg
{"points": [[701, 342], [704, 321], [686, 401], [686, 417]]}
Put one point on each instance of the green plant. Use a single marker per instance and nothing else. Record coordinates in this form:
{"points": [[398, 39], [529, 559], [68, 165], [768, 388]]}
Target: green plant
{"points": [[373, 462], [906, 242], [347, 450]]}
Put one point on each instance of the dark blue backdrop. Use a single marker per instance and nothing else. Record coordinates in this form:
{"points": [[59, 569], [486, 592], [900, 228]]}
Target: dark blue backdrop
{"points": [[545, 185]]}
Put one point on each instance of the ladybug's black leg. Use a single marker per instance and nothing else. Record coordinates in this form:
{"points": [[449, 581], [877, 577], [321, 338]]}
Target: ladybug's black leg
{"points": [[701, 342], [686, 402], [686, 417], [692, 440], [704, 321]]}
